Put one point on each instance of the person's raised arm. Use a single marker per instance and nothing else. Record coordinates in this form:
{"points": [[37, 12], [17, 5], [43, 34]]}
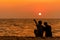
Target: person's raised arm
{"points": [[35, 21]]}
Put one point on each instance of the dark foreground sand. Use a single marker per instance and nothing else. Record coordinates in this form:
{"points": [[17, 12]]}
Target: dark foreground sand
{"points": [[26, 38]]}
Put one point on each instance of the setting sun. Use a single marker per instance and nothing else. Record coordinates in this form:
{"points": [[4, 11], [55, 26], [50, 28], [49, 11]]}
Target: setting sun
{"points": [[40, 14]]}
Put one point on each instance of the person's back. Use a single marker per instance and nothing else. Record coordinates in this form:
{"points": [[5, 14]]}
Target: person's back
{"points": [[48, 30], [39, 25], [39, 31]]}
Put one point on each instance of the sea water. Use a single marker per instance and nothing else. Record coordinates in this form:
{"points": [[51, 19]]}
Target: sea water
{"points": [[26, 27]]}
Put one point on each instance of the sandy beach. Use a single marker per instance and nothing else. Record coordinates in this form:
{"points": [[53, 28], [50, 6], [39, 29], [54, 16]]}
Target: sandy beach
{"points": [[26, 38]]}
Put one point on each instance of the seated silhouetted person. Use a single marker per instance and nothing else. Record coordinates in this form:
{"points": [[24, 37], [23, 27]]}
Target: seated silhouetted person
{"points": [[48, 32], [39, 31]]}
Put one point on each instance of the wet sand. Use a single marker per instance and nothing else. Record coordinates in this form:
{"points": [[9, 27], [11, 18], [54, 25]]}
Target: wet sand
{"points": [[26, 38]]}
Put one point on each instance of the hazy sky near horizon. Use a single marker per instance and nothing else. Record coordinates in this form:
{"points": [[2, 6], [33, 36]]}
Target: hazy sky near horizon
{"points": [[29, 8]]}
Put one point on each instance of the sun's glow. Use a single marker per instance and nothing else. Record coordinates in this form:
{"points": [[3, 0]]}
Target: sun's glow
{"points": [[40, 14]]}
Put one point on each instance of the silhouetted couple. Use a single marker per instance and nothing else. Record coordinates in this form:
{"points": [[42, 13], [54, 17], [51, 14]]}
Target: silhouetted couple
{"points": [[41, 29]]}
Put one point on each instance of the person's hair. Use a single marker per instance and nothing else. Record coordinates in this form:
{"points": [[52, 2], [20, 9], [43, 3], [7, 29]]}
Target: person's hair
{"points": [[45, 23], [40, 22]]}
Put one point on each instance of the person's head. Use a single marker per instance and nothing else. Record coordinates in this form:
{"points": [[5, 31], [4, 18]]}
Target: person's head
{"points": [[40, 22], [45, 23]]}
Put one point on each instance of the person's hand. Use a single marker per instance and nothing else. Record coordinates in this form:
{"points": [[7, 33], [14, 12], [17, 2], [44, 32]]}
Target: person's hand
{"points": [[34, 20]]}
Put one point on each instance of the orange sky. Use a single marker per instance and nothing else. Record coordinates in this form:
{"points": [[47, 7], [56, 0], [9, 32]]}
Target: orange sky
{"points": [[29, 8]]}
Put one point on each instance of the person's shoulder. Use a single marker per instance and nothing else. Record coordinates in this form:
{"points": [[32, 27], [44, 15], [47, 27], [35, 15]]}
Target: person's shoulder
{"points": [[37, 24], [42, 25], [49, 25]]}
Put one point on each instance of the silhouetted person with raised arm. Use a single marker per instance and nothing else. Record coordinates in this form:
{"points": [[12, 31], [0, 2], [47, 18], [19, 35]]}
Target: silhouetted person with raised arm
{"points": [[39, 31], [48, 32]]}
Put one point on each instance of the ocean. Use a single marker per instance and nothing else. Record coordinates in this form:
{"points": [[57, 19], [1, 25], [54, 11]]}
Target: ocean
{"points": [[26, 27]]}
